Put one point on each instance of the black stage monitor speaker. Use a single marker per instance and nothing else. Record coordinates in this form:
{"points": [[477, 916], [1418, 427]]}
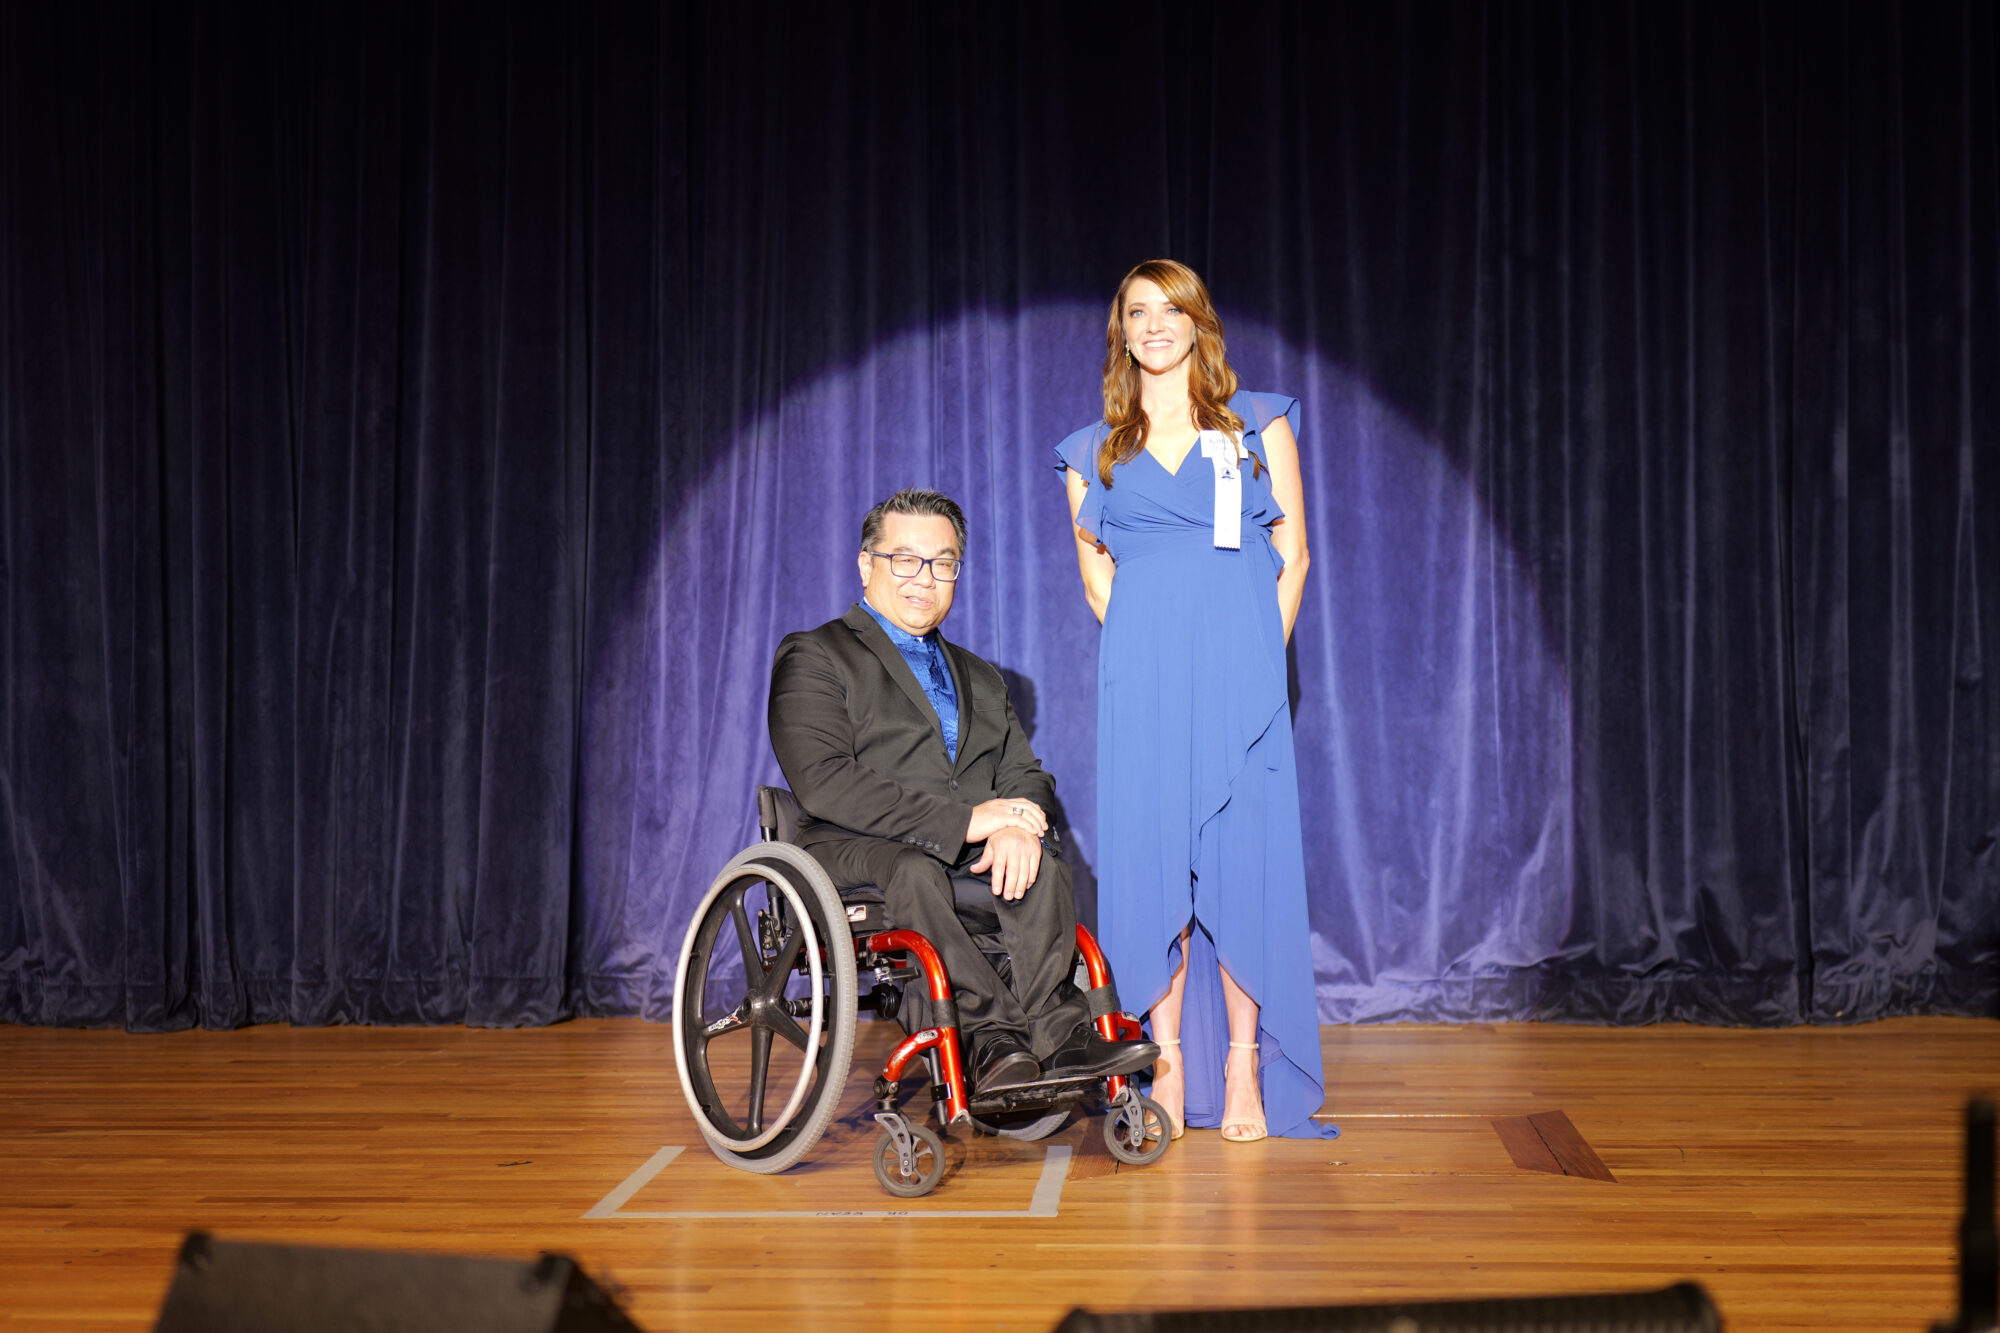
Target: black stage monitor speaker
{"points": [[1978, 1231], [232, 1287], [1681, 1309]]}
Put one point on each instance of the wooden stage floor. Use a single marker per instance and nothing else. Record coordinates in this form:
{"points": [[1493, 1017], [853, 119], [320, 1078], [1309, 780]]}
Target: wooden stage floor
{"points": [[1808, 1177]]}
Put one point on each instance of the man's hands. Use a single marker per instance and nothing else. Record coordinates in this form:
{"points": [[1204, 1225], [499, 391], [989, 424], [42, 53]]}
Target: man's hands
{"points": [[1012, 829], [1015, 857], [1006, 812]]}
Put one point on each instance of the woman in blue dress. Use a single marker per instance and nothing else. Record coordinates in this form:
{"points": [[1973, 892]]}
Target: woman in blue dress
{"points": [[1189, 514]]}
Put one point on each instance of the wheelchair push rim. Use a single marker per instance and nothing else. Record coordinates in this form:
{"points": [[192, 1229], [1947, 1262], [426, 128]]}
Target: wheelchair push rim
{"points": [[813, 940]]}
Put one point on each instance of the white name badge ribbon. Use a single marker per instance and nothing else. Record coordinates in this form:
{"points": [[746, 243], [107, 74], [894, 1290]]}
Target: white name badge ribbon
{"points": [[1223, 454]]}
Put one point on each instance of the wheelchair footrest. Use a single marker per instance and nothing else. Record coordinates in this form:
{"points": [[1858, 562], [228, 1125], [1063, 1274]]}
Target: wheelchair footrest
{"points": [[1043, 1096]]}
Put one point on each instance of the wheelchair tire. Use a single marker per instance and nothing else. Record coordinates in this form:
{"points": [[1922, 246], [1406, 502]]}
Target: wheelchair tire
{"points": [[810, 1033], [929, 1163], [1135, 1129]]}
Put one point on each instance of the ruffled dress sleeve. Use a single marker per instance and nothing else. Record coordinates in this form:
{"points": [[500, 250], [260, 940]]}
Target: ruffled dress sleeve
{"points": [[1078, 453], [1258, 411]]}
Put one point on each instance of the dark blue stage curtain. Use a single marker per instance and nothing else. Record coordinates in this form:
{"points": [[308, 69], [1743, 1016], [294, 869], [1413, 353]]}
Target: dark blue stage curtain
{"points": [[420, 421]]}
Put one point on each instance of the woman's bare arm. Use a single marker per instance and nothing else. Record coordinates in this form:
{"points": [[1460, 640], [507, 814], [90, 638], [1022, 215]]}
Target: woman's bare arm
{"points": [[1281, 455], [1091, 558]]}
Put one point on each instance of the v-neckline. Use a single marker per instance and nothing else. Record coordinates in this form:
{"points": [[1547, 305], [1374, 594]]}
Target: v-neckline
{"points": [[1174, 472]]}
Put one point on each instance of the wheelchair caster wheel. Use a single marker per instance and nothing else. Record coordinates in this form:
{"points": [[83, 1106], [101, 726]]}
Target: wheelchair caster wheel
{"points": [[909, 1162], [1135, 1129]]}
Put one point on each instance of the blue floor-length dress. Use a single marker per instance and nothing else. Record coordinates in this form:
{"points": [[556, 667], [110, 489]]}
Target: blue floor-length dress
{"points": [[1197, 792]]}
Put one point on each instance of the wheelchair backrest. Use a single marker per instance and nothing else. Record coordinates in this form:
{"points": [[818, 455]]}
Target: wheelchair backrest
{"points": [[778, 814]]}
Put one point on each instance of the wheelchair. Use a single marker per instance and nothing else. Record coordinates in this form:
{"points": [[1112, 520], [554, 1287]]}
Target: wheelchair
{"points": [[764, 1055]]}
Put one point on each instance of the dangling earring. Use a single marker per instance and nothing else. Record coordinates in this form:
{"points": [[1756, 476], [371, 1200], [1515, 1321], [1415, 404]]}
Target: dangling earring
{"points": [[1128, 354]]}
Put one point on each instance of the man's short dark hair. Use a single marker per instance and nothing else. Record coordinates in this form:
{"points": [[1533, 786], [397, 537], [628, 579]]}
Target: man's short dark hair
{"points": [[921, 504]]}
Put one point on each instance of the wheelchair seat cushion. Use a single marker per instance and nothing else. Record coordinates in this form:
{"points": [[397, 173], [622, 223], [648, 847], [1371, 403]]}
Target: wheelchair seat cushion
{"points": [[867, 913]]}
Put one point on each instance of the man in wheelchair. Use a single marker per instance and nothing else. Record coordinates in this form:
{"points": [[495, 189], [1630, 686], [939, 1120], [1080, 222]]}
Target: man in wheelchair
{"points": [[916, 778]]}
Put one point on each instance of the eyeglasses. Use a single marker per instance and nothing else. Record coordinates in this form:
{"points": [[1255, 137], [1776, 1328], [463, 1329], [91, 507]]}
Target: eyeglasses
{"points": [[944, 568]]}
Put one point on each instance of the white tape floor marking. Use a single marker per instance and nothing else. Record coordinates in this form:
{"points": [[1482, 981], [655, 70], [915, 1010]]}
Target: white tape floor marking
{"points": [[609, 1205], [1047, 1197]]}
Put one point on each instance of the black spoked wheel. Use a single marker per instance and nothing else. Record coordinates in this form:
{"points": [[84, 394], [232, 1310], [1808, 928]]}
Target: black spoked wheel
{"points": [[1135, 1129], [764, 1008], [921, 1173]]}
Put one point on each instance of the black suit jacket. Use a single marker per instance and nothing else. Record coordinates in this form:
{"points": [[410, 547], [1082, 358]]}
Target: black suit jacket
{"points": [[863, 749]]}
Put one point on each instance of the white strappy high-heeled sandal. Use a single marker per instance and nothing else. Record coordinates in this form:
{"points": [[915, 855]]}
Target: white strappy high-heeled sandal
{"points": [[1249, 1130]]}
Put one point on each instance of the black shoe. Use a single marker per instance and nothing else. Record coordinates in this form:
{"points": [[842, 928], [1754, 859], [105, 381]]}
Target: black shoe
{"points": [[1005, 1063], [1088, 1055]]}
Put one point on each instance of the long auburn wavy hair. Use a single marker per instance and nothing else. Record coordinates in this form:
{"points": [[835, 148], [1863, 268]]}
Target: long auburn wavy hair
{"points": [[1211, 383]]}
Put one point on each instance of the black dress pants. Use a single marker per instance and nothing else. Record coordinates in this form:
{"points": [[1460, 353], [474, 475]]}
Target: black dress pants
{"points": [[1039, 1005]]}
